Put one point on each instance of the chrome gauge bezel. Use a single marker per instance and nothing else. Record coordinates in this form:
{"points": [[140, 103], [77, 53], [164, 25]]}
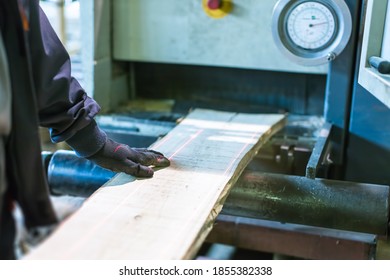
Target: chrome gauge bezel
{"points": [[324, 54]]}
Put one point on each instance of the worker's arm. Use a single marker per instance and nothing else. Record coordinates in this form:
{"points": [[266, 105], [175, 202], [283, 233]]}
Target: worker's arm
{"points": [[68, 112]]}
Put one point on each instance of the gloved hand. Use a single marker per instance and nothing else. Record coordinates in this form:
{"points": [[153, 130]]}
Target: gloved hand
{"points": [[134, 161]]}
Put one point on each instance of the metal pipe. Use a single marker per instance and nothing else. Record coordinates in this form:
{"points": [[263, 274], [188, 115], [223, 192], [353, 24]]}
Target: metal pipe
{"points": [[291, 239], [316, 202], [291, 199], [69, 174]]}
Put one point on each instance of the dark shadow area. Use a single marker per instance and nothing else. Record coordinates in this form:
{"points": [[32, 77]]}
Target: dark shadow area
{"points": [[239, 90]]}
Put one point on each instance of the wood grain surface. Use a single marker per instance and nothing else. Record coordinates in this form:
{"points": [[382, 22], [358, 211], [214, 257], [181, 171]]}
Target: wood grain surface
{"points": [[169, 215]]}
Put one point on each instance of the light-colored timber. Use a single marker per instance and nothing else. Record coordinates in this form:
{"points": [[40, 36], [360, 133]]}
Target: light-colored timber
{"points": [[169, 215]]}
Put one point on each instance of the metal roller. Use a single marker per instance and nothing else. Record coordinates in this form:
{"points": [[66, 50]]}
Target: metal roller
{"points": [[316, 202], [69, 174], [290, 199]]}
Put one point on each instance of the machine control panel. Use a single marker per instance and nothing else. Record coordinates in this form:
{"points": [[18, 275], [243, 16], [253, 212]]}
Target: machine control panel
{"points": [[222, 33]]}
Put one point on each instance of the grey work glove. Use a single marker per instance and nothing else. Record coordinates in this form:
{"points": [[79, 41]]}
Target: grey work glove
{"points": [[134, 161]]}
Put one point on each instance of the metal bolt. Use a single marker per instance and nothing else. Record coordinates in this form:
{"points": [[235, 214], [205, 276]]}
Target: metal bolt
{"points": [[331, 56]]}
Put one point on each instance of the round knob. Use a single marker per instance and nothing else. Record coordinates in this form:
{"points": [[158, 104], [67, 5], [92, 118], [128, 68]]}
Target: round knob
{"points": [[217, 8], [214, 4]]}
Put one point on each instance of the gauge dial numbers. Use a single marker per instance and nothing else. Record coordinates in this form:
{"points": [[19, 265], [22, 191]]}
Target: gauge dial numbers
{"points": [[311, 25], [311, 32]]}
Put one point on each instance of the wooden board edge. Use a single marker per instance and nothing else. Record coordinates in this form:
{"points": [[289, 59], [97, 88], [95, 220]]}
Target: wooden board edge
{"points": [[208, 225]]}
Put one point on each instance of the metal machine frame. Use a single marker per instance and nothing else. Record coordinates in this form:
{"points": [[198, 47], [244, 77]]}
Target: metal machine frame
{"points": [[297, 158]]}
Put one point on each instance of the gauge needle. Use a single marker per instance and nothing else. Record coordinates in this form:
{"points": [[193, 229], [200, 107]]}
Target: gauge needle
{"points": [[316, 24]]}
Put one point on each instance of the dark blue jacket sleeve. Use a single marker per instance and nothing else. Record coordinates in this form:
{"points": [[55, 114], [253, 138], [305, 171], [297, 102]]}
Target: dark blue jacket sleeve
{"points": [[64, 107]]}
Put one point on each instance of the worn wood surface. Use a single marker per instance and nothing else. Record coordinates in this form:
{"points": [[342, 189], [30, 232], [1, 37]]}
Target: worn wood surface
{"points": [[170, 215]]}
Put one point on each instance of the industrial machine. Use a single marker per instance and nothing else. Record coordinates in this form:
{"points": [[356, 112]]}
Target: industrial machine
{"points": [[320, 188]]}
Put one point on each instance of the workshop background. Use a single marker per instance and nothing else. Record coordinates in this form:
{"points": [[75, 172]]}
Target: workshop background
{"points": [[149, 62]]}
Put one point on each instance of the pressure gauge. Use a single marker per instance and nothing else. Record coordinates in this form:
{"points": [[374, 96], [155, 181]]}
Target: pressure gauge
{"points": [[311, 32]]}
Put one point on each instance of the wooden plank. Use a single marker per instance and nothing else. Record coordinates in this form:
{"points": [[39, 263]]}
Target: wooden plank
{"points": [[170, 215]]}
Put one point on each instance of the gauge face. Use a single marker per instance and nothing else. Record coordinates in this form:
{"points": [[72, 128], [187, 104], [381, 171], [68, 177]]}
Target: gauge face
{"points": [[311, 32], [311, 25]]}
